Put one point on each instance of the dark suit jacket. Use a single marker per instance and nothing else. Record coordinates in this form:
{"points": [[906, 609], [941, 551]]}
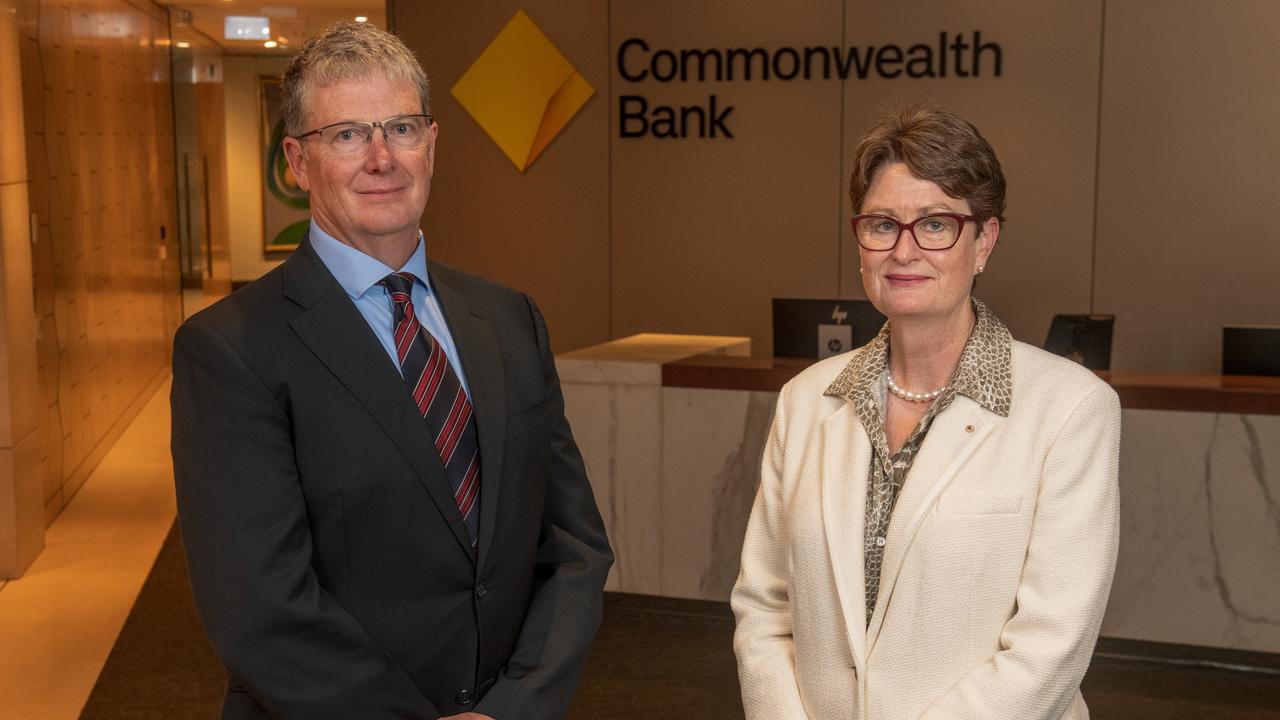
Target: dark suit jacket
{"points": [[328, 561]]}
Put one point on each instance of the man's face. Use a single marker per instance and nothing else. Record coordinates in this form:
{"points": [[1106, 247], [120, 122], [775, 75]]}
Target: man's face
{"points": [[372, 199]]}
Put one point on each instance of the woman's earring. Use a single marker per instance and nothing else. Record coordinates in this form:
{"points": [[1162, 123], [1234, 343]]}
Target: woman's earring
{"points": [[980, 269]]}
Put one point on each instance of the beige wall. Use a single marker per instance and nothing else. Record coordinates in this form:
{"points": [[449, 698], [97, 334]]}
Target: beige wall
{"points": [[546, 231], [1188, 179], [1041, 117], [244, 160], [99, 144], [705, 231], [615, 235]]}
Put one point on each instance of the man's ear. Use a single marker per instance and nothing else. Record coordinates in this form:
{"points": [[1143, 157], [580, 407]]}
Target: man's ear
{"points": [[431, 149], [297, 161]]}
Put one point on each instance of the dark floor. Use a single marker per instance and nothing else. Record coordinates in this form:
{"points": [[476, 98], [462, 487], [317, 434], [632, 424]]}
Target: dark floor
{"points": [[654, 658]]}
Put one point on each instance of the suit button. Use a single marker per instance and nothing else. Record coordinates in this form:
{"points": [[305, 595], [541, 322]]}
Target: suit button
{"points": [[464, 697], [481, 591]]}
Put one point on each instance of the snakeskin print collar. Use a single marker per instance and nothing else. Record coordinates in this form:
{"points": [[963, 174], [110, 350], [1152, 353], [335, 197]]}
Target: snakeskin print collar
{"points": [[983, 375]]}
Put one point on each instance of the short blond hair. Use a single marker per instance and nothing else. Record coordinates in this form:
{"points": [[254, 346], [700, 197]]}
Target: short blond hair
{"points": [[346, 51]]}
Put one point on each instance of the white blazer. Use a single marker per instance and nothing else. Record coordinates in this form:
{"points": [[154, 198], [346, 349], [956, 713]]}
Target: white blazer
{"points": [[996, 570]]}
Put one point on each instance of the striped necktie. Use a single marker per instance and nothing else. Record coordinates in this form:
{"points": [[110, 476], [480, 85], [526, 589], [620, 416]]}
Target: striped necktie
{"points": [[440, 398]]}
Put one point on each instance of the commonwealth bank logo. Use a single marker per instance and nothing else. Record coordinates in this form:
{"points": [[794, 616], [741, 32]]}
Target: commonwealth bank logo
{"points": [[522, 91]]}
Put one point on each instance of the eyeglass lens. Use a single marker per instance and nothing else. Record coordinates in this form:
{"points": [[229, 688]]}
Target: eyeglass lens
{"points": [[932, 232], [401, 133]]}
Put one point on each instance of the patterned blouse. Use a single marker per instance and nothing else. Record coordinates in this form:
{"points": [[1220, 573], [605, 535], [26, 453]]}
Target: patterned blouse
{"points": [[983, 375]]}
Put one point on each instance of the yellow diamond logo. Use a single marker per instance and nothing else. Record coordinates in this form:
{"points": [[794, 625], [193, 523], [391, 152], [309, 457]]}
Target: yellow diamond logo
{"points": [[522, 91]]}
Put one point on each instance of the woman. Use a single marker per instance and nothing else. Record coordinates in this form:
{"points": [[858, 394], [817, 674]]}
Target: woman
{"points": [[936, 527]]}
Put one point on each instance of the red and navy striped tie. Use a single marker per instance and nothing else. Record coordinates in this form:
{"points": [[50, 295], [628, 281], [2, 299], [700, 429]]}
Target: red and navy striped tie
{"points": [[440, 398]]}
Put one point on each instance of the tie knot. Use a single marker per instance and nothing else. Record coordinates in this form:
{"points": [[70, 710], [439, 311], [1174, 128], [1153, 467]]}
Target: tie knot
{"points": [[399, 282]]}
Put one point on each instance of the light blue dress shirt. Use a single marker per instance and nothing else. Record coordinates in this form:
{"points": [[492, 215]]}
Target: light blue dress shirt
{"points": [[358, 274]]}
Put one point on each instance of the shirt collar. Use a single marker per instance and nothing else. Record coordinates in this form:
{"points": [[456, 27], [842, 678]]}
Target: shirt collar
{"points": [[983, 375], [355, 271]]}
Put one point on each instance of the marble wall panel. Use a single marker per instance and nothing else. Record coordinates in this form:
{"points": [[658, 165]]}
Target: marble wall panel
{"points": [[1200, 502], [712, 441], [616, 418], [587, 408], [636, 472]]}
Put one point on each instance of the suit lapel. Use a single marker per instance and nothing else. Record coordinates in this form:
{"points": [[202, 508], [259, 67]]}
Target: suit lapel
{"points": [[846, 459], [480, 351], [955, 434], [333, 329]]}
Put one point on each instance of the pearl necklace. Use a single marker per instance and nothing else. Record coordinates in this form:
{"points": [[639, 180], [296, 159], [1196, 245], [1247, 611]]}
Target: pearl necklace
{"points": [[912, 396]]}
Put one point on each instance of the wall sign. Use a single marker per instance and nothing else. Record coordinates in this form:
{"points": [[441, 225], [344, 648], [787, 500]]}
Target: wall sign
{"points": [[952, 55], [522, 91]]}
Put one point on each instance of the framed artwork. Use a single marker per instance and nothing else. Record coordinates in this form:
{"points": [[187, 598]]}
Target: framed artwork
{"points": [[285, 206]]}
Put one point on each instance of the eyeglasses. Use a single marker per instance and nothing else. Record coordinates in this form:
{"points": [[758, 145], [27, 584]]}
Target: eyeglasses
{"points": [[402, 132], [938, 231]]}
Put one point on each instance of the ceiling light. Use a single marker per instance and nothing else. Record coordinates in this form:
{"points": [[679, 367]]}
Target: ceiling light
{"points": [[241, 27], [183, 44], [269, 44], [361, 19]]}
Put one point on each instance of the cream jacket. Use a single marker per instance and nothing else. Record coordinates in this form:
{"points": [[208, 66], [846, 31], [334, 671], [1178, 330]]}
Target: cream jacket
{"points": [[997, 565]]}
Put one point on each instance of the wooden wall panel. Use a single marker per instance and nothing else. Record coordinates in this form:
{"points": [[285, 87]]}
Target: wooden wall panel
{"points": [[21, 496], [105, 266]]}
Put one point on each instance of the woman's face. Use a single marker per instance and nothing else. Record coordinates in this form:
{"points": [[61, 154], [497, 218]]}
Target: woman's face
{"points": [[907, 281]]}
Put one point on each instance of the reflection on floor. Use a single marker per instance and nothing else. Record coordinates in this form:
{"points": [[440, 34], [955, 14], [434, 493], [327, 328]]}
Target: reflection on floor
{"points": [[59, 621]]}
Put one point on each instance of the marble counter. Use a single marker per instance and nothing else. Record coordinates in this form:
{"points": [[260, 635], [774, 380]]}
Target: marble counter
{"points": [[1200, 535], [615, 403], [675, 469]]}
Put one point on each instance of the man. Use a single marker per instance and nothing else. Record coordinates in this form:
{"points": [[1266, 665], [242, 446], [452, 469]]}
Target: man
{"points": [[384, 512]]}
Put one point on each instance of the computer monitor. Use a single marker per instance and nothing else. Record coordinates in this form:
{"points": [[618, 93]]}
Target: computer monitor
{"points": [[1251, 350], [818, 328], [1085, 339]]}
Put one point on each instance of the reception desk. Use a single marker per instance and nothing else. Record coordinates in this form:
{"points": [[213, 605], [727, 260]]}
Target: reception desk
{"points": [[672, 428]]}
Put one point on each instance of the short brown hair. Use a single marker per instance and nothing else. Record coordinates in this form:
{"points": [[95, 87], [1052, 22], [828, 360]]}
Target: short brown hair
{"points": [[935, 145], [346, 51]]}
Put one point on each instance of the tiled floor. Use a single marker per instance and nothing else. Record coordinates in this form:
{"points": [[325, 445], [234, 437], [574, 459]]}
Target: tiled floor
{"points": [[59, 621]]}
